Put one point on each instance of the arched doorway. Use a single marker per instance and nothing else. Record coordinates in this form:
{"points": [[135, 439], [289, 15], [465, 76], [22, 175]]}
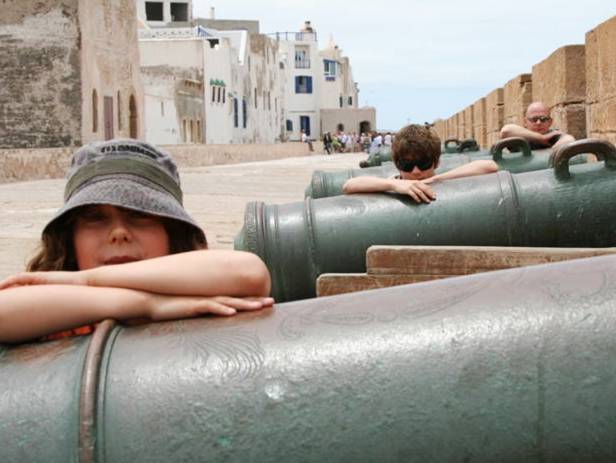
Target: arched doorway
{"points": [[365, 127], [133, 118], [340, 127]]}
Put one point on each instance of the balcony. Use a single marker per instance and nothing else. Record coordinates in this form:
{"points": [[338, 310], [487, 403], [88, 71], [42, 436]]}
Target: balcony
{"points": [[294, 36], [302, 63]]}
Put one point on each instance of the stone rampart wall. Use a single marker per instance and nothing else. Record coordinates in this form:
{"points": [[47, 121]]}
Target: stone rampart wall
{"points": [[577, 82], [32, 164]]}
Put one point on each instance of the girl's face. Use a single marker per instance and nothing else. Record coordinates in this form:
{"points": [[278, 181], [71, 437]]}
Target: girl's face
{"points": [[106, 235]]}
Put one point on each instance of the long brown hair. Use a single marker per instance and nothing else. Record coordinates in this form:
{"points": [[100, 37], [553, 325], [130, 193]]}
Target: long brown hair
{"points": [[56, 250]]}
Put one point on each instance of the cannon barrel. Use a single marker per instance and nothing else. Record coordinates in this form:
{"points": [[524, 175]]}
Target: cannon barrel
{"points": [[324, 184], [507, 366], [300, 241]]}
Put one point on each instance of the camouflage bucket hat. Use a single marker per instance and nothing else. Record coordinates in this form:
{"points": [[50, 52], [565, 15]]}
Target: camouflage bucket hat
{"points": [[125, 173]]}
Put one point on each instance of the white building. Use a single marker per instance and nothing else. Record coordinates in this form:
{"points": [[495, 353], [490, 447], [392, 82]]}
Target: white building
{"points": [[321, 94], [208, 86]]}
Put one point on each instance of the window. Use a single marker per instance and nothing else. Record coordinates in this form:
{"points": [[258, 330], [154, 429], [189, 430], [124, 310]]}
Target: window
{"points": [[224, 95], [94, 111], [213, 94], [303, 84], [219, 96], [244, 113], [289, 125], [330, 69], [350, 101], [198, 137], [341, 101], [235, 113], [133, 117], [162, 108], [179, 12], [302, 57], [154, 11], [255, 98]]}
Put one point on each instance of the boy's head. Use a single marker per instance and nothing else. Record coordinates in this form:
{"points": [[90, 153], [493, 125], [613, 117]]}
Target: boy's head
{"points": [[416, 151]]}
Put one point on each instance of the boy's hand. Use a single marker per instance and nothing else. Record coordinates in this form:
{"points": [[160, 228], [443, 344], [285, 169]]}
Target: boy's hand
{"points": [[416, 189], [44, 278], [163, 307]]}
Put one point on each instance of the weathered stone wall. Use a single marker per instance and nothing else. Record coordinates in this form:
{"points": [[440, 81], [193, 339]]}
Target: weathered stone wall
{"points": [[560, 82], [469, 123], [110, 65], [440, 129], [601, 81], [517, 94], [32, 164], [40, 74], [495, 113], [479, 122]]}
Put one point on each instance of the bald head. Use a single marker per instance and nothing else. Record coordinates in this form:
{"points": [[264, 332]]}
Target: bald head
{"points": [[538, 117]]}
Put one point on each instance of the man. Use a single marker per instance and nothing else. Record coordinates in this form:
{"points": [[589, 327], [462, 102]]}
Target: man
{"points": [[537, 129]]}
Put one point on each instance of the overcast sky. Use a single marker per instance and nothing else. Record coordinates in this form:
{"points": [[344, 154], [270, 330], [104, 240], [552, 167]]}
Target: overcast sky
{"points": [[424, 59]]}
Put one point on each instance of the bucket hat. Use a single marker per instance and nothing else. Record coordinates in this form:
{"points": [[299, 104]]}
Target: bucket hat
{"points": [[125, 173]]}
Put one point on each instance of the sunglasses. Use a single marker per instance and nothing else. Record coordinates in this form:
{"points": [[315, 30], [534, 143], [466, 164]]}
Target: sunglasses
{"points": [[406, 165], [541, 119]]}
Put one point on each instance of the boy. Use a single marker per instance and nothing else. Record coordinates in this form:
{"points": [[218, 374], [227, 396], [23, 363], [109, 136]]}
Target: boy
{"points": [[416, 152]]}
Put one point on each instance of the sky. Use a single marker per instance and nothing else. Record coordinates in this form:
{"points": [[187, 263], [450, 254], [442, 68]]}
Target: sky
{"points": [[420, 60]]}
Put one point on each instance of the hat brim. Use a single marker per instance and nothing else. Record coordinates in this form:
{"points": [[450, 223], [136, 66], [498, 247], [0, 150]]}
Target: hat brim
{"points": [[130, 192]]}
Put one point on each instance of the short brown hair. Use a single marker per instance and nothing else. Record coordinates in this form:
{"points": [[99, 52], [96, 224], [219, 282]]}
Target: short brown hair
{"points": [[415, 142]]}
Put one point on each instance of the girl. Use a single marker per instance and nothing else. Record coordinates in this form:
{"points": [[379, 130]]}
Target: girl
{"points": [[123, 247]]}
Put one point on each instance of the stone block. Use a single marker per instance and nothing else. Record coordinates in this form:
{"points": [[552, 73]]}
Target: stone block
{"points": [[468, 122], [517, 95], [331, 284], [494, 115], [601, 80], [560, 79], [570, 118], [479, 122]]}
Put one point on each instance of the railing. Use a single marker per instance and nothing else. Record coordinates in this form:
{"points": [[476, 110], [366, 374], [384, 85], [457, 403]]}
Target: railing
{"points": [[294, 36], [302, 63], [174, 32]]}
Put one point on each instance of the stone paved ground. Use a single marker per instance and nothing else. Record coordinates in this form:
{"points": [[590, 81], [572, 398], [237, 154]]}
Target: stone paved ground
{"points": [[214, 195]]}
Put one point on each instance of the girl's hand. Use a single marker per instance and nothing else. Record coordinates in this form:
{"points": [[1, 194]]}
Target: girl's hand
{"points": [[416, 189], [163, 307], [44, 278]]}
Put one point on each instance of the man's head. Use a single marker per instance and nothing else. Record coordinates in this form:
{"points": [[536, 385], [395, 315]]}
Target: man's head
{"points": [[416, 152], [538, 118]]}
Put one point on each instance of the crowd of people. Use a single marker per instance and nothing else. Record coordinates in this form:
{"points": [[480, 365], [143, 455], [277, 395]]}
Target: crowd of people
{"points": [[354, 142]]}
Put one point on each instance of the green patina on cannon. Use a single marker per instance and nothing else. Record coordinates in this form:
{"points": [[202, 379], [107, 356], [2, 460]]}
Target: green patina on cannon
{"points": [[324, 184], [515, 365], [300, 241], [378, 157]]}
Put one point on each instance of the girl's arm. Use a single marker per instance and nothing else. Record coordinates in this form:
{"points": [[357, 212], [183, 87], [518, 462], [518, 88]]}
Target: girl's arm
{"points": [[29, 312], [467, 170], [196, 273]]}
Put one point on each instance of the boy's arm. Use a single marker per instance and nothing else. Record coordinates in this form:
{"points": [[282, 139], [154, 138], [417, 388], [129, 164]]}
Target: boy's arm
{"points": [[196, 273], [416, 189], [467, 170], [30, 312]]}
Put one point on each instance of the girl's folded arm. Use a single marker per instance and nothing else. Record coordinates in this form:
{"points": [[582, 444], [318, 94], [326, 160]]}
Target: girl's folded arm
{"points": [[195, 273], [30, 312]]}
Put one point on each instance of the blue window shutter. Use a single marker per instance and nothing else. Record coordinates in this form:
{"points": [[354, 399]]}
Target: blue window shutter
{"points": [[309, 84], [297, 80]]}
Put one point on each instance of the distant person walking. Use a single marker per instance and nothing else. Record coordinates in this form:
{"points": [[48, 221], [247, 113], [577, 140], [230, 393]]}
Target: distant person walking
{"points": [[306, 139], [327, 142]]}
